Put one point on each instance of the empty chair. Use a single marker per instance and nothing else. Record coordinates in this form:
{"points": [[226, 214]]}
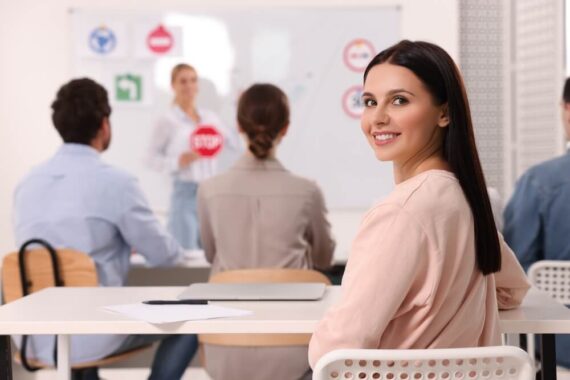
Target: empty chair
{"points": [[552, 277], [259, 354]]}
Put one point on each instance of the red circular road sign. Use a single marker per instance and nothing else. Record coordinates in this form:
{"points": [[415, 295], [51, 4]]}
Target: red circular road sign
{"points": [[160, 40], [352, 102], [206, 140], [358, 53]]}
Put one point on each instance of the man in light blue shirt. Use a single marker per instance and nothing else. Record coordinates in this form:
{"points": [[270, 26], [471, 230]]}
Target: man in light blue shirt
{"points": [[75, 200], [537, 218]]}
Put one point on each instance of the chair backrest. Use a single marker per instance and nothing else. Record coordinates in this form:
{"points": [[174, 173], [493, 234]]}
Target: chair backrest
{"points": [[269, 275], [501, 362], [266, 275], [552, 277], [77, 269]]}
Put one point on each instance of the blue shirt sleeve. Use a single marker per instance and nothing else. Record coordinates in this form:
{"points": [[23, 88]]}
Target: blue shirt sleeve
{"points": [[143, 232], [523, 221]]}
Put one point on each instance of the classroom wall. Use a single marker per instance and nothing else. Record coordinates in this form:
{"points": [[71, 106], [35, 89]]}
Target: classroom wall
{"points": [[35, 60]]}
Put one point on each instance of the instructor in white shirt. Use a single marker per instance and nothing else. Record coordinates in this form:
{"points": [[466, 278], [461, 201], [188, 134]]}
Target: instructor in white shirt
{"points": [[170, 152]]}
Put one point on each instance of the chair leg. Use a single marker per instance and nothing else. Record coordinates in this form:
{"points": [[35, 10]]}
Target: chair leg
{"points": [[5, 358], [85, 374]]}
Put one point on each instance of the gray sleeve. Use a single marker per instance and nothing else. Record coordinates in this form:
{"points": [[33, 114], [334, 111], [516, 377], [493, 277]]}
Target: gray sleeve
{"points": [[319, 234], [206, 233]]}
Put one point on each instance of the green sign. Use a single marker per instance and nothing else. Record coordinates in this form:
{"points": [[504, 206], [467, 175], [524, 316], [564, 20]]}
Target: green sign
{"points": [[128, 88]]}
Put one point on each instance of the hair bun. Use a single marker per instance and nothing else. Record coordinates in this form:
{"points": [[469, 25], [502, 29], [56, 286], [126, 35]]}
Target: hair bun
{"points": [[263, 112], [260, 145]]}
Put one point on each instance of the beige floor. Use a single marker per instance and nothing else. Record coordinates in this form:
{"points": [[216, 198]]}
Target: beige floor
{"points": [[137, 374], [109, 374], [133, 368]]}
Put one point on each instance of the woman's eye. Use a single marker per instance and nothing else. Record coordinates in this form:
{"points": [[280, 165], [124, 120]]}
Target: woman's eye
{"points": [[399, 100], [369, 102]]}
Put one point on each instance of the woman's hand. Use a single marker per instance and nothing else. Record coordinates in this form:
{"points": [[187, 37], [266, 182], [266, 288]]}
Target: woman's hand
{"points": [[187, 158]]}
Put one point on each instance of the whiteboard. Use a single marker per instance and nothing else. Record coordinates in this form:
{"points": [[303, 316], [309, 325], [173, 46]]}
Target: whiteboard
{"points": [[315, 55]]}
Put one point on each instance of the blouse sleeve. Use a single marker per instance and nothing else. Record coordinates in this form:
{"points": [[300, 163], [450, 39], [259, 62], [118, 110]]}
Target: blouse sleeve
{"points": [[385, 276], [511, 281], [157, 158]]}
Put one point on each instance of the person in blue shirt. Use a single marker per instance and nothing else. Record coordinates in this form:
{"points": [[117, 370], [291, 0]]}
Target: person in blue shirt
{"points": [[75, 200], [537, 217]]}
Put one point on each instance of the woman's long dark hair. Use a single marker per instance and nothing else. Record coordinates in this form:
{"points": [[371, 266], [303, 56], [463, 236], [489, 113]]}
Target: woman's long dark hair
{"points": [[435, 68]]}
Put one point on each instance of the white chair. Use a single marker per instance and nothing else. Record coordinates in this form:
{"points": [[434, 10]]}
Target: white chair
{"points": [[552, 277], [501, 362]]}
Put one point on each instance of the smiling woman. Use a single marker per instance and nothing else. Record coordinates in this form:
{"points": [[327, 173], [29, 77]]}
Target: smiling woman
{"points": [[401, 120], [428, 268]]}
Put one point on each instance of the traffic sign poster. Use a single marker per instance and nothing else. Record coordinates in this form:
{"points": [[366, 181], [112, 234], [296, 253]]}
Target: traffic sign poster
{"points": [[358, 53], [129, 86], [352, 102], [101, 39], [156, 39]]}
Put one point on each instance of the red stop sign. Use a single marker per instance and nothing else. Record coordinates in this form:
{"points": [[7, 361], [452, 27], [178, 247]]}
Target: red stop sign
{"points": [[160, 40], [206, 140]]}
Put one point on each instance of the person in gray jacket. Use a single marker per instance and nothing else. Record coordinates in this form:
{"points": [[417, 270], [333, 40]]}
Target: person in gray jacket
{"points": [[259, 215]]}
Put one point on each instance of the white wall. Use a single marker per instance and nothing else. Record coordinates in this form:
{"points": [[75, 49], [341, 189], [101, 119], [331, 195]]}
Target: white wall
{"points": [[35, 61]]}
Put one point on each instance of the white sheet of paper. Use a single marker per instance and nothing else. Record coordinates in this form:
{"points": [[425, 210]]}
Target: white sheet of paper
{"points": [[175, 313]]}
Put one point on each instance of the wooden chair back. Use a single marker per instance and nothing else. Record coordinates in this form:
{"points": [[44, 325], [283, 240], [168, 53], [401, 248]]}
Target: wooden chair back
{"points": [[263, 275], [76, 268]]}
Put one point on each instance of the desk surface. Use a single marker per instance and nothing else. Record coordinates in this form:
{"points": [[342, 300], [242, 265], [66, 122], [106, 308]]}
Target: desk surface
{"points": [[79, 311]]}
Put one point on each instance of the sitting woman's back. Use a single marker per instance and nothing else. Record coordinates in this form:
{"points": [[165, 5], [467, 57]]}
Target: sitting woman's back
{"points": [[259, 215]]}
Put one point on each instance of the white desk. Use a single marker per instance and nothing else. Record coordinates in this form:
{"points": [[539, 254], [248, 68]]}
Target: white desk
{"points": [[192, 259], [539, 314], [65, 311]]}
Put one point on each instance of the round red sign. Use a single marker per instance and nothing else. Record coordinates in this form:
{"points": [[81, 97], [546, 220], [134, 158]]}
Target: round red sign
{"points": [[352, 102], [160, 40], [358, 53], [206, 140]]}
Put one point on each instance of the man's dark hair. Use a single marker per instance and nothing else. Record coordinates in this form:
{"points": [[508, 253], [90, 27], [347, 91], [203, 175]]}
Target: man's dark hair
{"points": [[566, 92], [79, 109]]}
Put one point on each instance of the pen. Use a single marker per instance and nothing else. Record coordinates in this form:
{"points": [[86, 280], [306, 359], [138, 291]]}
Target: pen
{"points": [[176, 302]]}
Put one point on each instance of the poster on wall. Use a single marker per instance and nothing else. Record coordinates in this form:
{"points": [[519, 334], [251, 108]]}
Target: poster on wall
{"points": [[319, 68], [101, 38], [129, 86], [358, 53], [352, 103], [156, 39]]}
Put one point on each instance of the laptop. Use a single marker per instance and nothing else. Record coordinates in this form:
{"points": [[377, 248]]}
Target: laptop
{"points": [[303, 291]]}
